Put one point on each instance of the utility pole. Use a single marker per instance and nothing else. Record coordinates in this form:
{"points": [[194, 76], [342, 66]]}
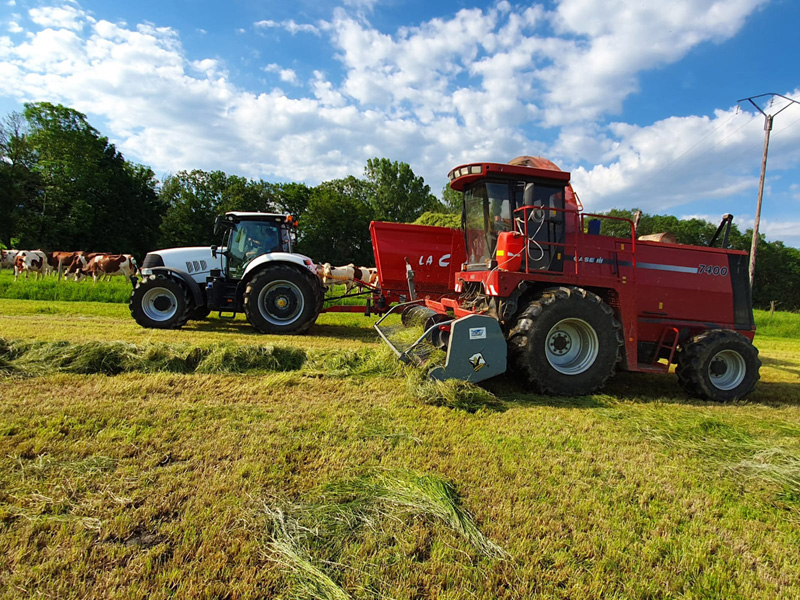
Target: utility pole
{"points": [[767, 129]]}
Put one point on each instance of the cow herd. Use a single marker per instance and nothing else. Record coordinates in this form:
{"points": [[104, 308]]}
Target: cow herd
{"points": [[79, 264], [349, 275], [100, 265]]}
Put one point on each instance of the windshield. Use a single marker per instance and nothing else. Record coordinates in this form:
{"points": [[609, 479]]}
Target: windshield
{"points": [[487, 211], [250, 239]]}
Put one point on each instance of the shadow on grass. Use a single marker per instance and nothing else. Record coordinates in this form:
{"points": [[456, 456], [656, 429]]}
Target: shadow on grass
{"points": [[241, 327], [787, 366], [640, 388]]}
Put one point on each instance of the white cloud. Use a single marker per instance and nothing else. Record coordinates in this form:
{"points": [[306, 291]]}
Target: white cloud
{"points": [[287, 75], [469, 86], [289, 25], [13, 27], [605, 45], [66, 16]]}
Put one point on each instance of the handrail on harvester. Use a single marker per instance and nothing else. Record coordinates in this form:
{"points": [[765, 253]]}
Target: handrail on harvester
{"points": [[578, 222], [532, 207]]}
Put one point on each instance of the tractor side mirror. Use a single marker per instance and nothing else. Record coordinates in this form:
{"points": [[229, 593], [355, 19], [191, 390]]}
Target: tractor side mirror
{"points": [[217, 224]]}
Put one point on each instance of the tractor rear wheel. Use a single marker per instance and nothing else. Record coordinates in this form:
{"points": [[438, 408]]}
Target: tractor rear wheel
{"points": [[718, 364], [281, 299], [567, 342], [160, 302]]}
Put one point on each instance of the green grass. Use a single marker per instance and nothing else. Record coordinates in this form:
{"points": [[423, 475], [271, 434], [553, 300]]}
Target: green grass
{"points": [[343, 475], [50, 288]]}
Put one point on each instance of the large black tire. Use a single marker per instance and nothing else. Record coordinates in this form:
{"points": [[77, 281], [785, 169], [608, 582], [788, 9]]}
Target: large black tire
{"points": [[718, 364], [281, 299], [567, 342], [160, 302]]}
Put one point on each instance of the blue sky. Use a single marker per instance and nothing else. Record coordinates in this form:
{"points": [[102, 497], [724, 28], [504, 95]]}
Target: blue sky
{"points": [[636, 98]]}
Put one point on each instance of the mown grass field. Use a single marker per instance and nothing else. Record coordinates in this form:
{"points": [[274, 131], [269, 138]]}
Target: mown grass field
{"points": [[321, 470]]}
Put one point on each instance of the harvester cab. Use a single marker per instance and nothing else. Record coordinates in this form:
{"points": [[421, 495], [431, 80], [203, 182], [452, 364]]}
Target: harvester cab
{"points": [[570, 305]]}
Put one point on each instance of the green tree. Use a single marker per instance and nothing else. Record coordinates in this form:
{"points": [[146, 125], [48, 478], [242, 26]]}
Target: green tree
{"points": [[19, 183], [335, 227], [72, 189], [192, 199], [396, 193], [451, 199], [292, 198]]}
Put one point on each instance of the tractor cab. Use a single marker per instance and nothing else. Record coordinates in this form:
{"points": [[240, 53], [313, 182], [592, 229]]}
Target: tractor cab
{"points": [[248, 235], [526, 200]]}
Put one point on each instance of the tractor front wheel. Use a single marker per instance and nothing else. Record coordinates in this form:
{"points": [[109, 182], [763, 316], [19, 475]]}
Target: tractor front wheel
{"points": [[281, 299], [566, 343], [719, 365], [160, 302]]}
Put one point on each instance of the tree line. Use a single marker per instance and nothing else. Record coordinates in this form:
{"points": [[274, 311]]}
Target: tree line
{"points": [[63, 186]]}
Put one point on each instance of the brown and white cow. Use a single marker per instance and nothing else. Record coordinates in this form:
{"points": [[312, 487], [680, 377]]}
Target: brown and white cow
{"points": [[110, 265], [7, 258], [30, 261], [59, 262], [349, 275], [80, 262]]}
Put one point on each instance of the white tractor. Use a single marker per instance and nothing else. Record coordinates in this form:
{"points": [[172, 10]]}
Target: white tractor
{"points": [[253, 271]]}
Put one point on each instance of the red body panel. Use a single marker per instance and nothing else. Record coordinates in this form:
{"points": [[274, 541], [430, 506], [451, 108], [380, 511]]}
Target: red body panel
{"points": [[435, 255]]}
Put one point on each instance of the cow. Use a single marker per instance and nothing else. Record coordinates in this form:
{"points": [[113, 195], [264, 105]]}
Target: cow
{"points": [[7, 258], [109, 265], [60, 261], [81, 262], [30, 261], [350, 276]]}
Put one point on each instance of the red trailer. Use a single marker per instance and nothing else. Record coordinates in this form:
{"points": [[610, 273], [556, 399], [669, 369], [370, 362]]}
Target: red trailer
{"points": [[431, 256]]}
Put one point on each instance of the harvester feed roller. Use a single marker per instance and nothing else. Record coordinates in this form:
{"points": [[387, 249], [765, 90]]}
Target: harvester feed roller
{"points": [[475, 346]]}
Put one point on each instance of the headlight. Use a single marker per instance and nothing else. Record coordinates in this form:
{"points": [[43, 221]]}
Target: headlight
{"points": [[146, 272]]}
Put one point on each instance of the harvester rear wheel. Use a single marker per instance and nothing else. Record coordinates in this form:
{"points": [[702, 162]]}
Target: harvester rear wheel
{"points": [[718, 364], [567, 342], [281, 299]]}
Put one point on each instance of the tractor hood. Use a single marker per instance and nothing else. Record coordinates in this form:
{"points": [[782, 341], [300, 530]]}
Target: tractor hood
{"points": [[197, 261]]}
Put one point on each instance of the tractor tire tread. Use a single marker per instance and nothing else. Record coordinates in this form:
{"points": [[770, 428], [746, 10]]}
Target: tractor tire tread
{"points": [[692, 363], [270, 272], [181, 318], [521, 348]]}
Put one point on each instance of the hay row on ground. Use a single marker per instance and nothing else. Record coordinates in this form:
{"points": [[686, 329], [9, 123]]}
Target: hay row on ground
{"points": [[37, 358]]}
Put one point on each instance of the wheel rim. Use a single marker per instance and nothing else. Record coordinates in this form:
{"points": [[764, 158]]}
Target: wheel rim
{"points": [[727, 370], [572, 346], [159, 304], [281, 302]]}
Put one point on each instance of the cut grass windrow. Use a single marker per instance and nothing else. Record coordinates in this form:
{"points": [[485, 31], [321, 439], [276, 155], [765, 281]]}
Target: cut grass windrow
{"points": [[22, 358], [300, 535], [397, 492], [287, 547]]}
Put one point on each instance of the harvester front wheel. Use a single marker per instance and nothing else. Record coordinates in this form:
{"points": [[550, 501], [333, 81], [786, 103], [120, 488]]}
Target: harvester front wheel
{"points": [[281, 299], [567, 342], [719, 365], [160, 302]]}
